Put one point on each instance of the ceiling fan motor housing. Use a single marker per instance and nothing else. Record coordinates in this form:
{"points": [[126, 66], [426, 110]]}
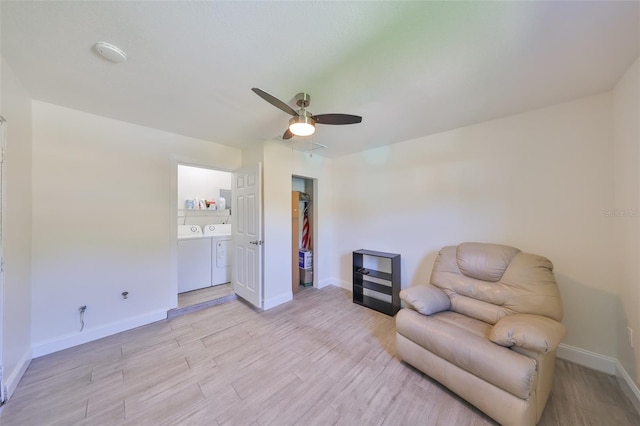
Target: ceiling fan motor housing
{"points": [[303, 99]]}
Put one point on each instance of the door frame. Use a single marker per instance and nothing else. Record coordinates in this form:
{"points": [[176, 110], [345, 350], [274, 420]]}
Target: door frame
{"points": [[3, 215], [314, 181]]}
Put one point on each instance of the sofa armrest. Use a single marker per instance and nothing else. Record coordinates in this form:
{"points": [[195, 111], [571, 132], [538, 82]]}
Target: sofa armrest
{"points": [[535, 332], [426, 299]]}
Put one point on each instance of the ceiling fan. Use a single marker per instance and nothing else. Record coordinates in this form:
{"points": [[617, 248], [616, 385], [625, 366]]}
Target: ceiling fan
{"points": [[303, 123]]}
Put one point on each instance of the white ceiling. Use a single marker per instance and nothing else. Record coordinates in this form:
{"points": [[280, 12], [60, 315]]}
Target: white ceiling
{"points": [[409, 68]]}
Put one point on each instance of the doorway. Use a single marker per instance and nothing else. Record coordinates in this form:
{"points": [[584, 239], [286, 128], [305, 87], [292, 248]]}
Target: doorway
{"points": [[303, 229], [204, 236]]}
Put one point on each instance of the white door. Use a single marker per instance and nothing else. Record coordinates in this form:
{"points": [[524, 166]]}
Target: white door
{"points": [[246, 211]]}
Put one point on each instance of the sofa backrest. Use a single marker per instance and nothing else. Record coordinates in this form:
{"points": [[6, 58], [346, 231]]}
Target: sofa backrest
{"points": [[491, 281]]}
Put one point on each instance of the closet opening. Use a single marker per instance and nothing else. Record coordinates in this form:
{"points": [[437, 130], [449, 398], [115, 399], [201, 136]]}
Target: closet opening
{"points": [[303, 229]]}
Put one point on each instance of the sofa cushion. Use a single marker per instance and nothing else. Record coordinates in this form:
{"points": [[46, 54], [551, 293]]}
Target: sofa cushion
{"points": [[451, 339], [486, 262], [426, 299], [472, 325], [535, 332]]}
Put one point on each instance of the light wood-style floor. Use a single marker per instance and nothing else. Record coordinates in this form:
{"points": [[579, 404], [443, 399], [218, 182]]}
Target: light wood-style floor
{"points": [[202, 295], [318, 360]]}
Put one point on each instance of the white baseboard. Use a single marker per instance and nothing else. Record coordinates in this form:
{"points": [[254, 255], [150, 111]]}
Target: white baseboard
{"points": [[64, 342], [587, 358], [278, 300], [343, 284], [628, 385], [12, 380], [326, 282]]}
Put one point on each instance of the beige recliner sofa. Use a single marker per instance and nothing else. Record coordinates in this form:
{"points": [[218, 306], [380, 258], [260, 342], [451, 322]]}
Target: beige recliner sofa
{"points": [[487, 328]]}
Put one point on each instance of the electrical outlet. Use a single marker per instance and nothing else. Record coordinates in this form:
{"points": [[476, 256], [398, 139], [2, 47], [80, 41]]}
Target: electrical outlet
{"points": [[630, 335], [81, 309]]}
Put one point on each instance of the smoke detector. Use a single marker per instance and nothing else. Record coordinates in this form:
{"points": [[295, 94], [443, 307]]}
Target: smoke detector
{"points": [[111, 52]]}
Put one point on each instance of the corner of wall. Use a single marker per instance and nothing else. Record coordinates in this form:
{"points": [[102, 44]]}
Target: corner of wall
{"points": [[626, 149], [272, 302], [628, 386], [327, 282], [603, 364], [15, 321], [342, 284], [11, 381]]}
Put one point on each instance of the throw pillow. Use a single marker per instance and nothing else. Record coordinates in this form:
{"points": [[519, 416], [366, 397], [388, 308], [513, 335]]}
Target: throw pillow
{"points": [[426, 299]]}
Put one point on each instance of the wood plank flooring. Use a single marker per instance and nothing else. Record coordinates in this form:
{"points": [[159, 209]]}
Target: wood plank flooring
{"points": [[318, 360], [202, 295]]}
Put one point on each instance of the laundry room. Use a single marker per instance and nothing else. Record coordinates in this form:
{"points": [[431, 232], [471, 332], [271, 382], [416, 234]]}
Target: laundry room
{"points": [[204, 230]]}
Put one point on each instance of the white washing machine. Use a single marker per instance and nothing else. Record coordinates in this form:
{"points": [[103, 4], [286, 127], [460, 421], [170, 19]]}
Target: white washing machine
{"points": [[220, 252], [194, 258]]}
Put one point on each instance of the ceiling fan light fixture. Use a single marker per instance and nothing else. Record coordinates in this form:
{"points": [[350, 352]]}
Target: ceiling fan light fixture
{"points": [[303, 122], [302, 125]]}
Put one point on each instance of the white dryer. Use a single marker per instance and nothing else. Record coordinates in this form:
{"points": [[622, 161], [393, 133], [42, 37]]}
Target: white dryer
{"points": [[221, 246], [194, 258]]}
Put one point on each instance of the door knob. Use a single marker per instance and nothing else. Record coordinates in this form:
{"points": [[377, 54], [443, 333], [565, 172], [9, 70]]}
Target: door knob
{"points": [[257, 243]]}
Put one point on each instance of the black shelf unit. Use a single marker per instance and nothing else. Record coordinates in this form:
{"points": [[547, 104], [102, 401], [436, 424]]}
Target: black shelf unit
{"points": [[389, 287]]}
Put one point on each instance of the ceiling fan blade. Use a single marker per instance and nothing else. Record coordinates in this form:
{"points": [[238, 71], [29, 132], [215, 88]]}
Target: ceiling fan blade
{"points": [[287, 134], [274, 101], [337, 119]]}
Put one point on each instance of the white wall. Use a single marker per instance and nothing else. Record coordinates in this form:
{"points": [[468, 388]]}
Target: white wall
{"points": [[202, 183], [16, 297], [626, 214], [253, 154], [104, 220], [280, 163], [205, 184], [539, 181]]}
